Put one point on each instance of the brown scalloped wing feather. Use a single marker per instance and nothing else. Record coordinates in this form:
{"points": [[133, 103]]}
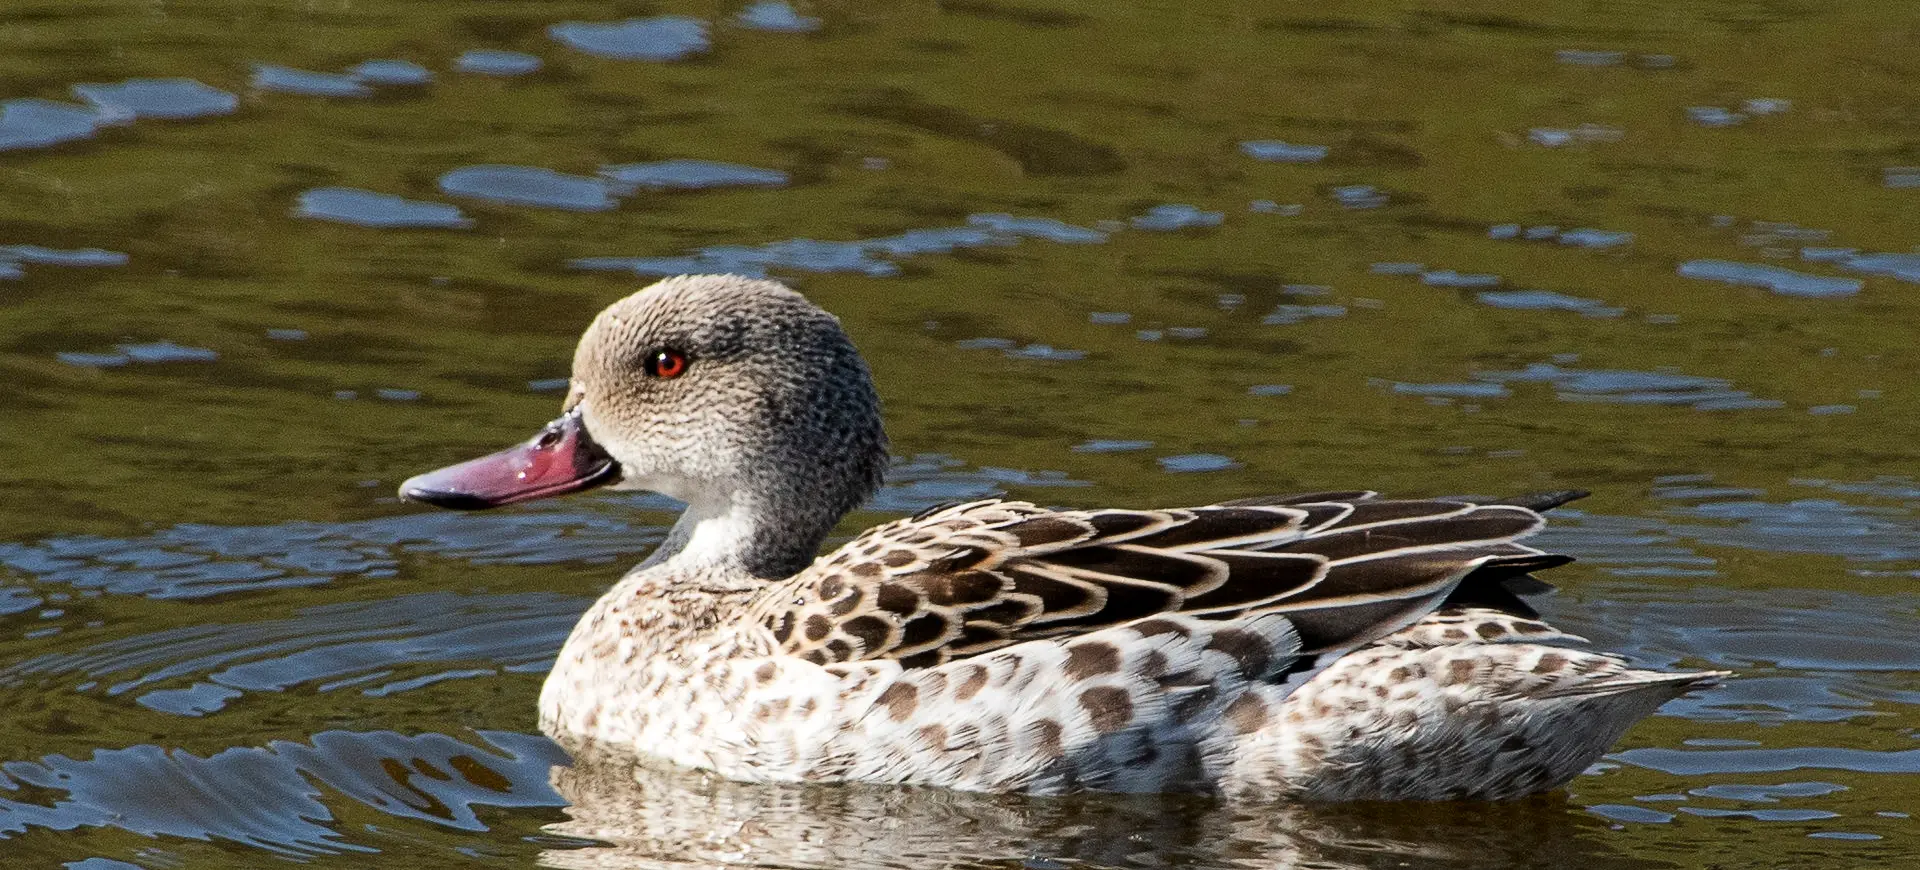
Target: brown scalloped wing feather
{"points": [[1345, 568]]}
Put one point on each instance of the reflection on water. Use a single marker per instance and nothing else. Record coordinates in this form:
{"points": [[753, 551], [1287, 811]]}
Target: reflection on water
{"points": [[258, 264], [642, 816]]}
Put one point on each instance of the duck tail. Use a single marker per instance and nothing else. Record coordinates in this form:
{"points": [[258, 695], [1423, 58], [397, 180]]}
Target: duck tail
{"points": [[1538, 502]]}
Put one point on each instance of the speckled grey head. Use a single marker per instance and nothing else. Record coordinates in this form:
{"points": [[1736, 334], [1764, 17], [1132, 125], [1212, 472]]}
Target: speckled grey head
{"points": [[735, 395], [771, 401]]}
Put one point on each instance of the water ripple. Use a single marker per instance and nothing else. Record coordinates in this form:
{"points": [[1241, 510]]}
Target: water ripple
{"points": [[269, 77], [1627, 387], [150, 352], [775, 16], [370, 209], [13, 256], [37, 123], [403, 73], [270, 797], [196, 670], [1873, 538], [1275, 151], [494, 62], [872, 257], [1691, 762], [1177, 216], [529, 185], [194, 561], [690, 175], [1547, 300], [1785, 282], [159, 98], [662, 38]]}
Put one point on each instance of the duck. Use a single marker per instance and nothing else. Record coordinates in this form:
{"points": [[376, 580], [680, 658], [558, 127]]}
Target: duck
{"points": [[1331, 646]]}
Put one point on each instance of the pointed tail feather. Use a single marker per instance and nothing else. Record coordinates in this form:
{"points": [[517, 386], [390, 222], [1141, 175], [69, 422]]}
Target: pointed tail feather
{"points": [[1539, 502], [1673, 685]]}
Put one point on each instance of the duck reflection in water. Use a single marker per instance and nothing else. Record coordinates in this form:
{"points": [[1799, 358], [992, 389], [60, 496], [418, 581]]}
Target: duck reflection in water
{"points": [[644, 814]]}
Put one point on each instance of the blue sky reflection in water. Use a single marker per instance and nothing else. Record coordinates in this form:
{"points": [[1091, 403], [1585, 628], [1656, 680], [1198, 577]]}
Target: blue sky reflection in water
{"points": [[257, 265]]}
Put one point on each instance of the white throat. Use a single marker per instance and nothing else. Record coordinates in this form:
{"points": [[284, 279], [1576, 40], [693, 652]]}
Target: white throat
{"points": [[716, 533]]}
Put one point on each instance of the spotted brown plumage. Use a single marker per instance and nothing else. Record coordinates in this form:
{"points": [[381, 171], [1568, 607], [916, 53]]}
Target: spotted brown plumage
{"points": [[1333, 645]]}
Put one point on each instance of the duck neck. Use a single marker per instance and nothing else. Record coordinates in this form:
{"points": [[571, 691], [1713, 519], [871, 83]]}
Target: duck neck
{"points": [[713, 563], [737, 543]]}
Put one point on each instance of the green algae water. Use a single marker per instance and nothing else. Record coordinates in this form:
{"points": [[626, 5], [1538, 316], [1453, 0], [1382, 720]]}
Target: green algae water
{"points": [[260, 261]]}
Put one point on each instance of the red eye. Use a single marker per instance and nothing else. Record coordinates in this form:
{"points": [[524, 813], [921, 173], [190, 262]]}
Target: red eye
{"points": [[666, 364]]}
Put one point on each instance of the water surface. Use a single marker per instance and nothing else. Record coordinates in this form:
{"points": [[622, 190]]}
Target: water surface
{"points": [[258, 263]]}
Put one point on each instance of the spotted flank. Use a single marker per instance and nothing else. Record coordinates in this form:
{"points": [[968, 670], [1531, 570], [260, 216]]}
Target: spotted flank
{"points": [[1480, 625], [1325, 646]]}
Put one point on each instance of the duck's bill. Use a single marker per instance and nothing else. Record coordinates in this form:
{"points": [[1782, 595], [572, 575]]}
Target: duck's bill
{"points": [[559, 460]]}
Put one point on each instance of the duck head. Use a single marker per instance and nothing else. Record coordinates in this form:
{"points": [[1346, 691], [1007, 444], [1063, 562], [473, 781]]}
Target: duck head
{"points": [[734, 395]]}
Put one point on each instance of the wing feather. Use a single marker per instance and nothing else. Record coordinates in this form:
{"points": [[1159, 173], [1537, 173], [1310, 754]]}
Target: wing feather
{"points": [[1062, 596], [1345, 568], [1224, 528], [1347, 496]]}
